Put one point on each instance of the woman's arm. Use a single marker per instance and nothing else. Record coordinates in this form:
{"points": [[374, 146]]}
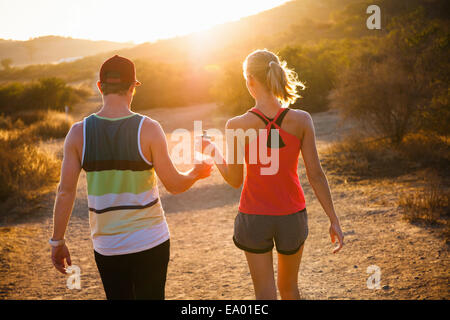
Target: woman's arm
{"points": [[318, 180], [230, 167]]}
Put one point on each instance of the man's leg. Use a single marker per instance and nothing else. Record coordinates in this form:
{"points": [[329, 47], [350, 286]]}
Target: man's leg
{"points": [[149, 272], [115, 273]]}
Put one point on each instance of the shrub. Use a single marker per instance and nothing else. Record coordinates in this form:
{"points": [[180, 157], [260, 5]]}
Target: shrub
{"points": [[429, 205], [367, 157], [392, 90], [29, 117], [45, 94], [230, 90], [24, 169], [53, 125]]}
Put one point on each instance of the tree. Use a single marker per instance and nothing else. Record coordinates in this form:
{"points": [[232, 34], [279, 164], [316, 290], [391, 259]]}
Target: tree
{"points": [[6, 63], [399, 87], [230, 91]]}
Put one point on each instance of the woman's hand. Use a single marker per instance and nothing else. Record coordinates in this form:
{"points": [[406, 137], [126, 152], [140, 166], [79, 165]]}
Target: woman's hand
{"points": [[206, 146], [59, 254], [336, 234]]}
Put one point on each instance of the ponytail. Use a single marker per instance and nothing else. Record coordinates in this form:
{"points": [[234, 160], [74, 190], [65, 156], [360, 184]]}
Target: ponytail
{"points": [[281, 81]]}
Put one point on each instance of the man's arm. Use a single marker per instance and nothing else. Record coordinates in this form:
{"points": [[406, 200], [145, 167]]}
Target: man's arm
{"points": [[174, 181], [65, 197]]}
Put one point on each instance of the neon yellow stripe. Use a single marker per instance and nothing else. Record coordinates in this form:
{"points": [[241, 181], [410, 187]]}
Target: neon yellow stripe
{"points": [[120, 181]]}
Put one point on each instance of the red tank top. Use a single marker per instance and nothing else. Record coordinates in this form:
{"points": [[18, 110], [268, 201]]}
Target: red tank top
{"points": [[280, 193]]}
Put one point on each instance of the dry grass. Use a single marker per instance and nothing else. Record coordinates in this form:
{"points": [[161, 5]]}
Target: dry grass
{"points": [[26, 171], [429, 205], [376, 158], [205, 264], [362, 158], [53, 125], [422, 158]]}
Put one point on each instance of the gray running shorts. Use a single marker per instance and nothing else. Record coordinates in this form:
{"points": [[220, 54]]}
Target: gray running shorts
{"points": [[257, 233]]}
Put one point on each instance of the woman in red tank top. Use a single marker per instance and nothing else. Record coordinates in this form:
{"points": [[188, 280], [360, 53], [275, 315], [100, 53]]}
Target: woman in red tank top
{"points": [[272, 209]]}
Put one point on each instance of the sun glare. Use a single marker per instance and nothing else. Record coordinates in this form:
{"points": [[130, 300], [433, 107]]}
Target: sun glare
{"points": [[137, 21]]}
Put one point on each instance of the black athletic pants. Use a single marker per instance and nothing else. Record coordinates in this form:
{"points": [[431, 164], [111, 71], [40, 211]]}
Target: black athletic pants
{"points": [[140, 275]]}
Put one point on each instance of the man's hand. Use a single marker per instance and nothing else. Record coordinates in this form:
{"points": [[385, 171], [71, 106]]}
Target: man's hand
{"points": [[336, 232], [61, 256]]}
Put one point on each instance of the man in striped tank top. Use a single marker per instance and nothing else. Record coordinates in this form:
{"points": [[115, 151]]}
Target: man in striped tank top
{"points": [[121, 153]]}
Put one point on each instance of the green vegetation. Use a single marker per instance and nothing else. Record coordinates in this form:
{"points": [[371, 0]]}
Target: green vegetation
{"points": [[45, 94], [392, 82], [170, 85], [29, 116], [6, 63], [24, 170], [318, 38], [397, 87]]}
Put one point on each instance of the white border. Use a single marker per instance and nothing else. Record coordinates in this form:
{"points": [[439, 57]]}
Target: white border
{"points": [[139, 142], [84, 141]]}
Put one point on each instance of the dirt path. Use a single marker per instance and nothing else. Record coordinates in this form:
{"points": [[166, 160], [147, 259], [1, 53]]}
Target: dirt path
{"points": [[204, 262]]}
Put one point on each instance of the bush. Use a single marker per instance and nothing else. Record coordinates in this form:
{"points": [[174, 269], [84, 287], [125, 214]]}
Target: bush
{"points": [[399, 88], [429, 205], [367, 157], [53, 125], [24, 169], [427, 150], [361, 158], [230, 91], [170, 85], [45, 94], [314, 66], [28, 117]]}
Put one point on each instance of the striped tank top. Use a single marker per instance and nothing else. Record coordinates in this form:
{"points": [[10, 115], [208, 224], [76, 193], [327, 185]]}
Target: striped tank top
{"points": [[125, 212]]}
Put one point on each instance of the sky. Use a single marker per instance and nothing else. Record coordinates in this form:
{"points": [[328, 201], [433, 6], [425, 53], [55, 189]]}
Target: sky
{"points": [[135, 21]]}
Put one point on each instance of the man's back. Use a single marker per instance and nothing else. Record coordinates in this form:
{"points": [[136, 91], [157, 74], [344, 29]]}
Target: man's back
{"points": [[125, 212], [121, 152]]}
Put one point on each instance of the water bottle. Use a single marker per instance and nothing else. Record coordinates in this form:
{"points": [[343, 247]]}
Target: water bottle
{"points": [[198, 155]]}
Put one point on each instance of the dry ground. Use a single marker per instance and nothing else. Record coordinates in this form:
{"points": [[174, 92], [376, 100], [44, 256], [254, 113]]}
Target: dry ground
{"points": [[205, 264]]}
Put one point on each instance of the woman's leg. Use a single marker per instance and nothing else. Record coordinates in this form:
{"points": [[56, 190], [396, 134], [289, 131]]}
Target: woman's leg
{"points": [[288, 266], [261, 269]]}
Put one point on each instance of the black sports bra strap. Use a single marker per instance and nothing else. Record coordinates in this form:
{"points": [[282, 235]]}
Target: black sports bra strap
{"points": [[266, 120], [259, 116], [281, 117]]}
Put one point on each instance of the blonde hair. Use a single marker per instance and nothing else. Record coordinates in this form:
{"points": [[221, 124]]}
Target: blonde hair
{"points": [[267, 68]]}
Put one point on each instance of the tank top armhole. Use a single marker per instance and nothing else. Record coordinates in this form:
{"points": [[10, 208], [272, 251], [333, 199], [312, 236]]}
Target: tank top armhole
{"points": [[139, 142], [84, 142]]}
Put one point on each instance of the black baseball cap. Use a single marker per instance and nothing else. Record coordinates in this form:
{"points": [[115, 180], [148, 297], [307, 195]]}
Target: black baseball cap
{"points": [[118, 70]]}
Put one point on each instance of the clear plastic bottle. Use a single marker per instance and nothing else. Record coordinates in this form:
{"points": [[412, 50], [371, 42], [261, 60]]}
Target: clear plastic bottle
{"points": [[198, 155]]}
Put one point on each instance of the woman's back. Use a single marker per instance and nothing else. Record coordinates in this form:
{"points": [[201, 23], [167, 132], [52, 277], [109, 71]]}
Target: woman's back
{"points": [[276, 191]]}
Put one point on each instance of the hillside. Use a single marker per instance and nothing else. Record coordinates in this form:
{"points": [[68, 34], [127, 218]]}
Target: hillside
{"points": [[232, 40], [295, 22], [50, 49], [316, 37]]}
